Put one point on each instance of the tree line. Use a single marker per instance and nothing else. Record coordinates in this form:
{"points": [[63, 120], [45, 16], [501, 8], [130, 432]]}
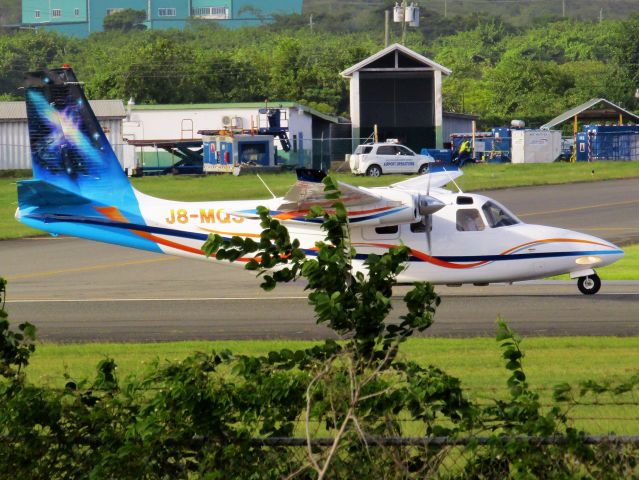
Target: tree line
{"points": [[500, 71]]}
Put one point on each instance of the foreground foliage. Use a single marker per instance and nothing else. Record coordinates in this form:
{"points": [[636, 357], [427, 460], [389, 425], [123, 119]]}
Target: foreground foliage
{"points": [[216, 414]]}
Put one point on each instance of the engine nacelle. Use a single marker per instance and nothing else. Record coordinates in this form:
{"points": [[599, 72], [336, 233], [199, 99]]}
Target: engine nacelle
{"points": [[427, 205]]}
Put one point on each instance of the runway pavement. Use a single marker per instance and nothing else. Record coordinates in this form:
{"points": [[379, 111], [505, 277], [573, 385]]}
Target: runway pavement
{"points": [[76, 290]]}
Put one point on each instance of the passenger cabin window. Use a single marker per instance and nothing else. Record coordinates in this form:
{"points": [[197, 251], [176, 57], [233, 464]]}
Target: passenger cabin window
{"points": [[388, 230], [497, 216], [469, 220]]}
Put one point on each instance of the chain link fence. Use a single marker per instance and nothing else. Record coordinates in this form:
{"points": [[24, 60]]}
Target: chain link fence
{"points": [[488, 457], [469, 457]]}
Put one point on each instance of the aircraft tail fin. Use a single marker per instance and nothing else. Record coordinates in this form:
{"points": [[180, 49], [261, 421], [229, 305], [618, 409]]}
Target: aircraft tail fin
{"points": [[68, 147]]}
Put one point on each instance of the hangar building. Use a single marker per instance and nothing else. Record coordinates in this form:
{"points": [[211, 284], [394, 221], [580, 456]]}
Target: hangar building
{"points": [[400, 91]]}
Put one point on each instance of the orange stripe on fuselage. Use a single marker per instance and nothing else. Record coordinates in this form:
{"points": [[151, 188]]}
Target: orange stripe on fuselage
{"points": [[442, 263], [219, 232], [428, 258], [114, 214], [551, 240]]}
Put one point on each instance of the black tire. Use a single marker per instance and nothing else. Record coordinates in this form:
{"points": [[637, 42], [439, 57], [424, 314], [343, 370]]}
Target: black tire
{"points": [[374, 171], [589, 285], [423, 169]]}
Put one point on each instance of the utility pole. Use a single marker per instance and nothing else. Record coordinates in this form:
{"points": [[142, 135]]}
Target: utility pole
{"points": [[445, 8], [404, 24], [600, 15], [386, 28], [310, 23], [563, 8]]}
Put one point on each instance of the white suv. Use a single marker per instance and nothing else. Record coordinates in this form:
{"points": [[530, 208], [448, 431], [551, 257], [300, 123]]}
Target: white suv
{"points": [[376, 159]]}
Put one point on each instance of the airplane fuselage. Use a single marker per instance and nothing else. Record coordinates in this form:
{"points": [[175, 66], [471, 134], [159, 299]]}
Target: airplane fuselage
{"points": [[79, 189], [444, 250]]}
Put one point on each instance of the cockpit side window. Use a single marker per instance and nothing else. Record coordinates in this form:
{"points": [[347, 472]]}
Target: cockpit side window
{"points": [[469, 220], [497, 216]]}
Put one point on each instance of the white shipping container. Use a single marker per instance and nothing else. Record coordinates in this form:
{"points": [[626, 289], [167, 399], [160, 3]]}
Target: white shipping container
{"points": [[535, 146]]}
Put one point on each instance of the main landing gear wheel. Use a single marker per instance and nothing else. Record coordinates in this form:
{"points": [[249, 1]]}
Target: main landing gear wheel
{"points": [[373, 171], [589, 285]]}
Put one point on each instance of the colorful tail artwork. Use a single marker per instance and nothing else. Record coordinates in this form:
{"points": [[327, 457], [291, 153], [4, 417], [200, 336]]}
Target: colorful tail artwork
{"points": [[78, 186]]}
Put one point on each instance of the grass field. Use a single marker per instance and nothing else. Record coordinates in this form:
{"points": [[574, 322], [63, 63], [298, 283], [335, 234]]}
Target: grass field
{"points": [[476, 361], [476, 177]]}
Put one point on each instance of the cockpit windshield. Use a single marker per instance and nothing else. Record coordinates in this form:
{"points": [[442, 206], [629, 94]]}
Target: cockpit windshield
{"points": [[497, 215]]}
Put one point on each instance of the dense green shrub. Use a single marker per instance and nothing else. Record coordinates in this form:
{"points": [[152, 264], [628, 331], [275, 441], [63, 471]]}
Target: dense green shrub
{"points": [[220, 415]]}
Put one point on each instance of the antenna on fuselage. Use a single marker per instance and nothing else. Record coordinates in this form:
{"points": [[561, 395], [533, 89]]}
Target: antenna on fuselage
{"points": [[265, 185], [452, 180]]}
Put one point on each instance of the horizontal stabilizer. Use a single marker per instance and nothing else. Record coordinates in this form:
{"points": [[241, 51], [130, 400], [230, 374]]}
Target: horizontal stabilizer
{"points": [[432, 180], [38, 193]]}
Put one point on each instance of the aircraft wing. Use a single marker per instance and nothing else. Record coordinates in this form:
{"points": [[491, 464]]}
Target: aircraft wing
{"points": [[305, 194], [364, 206], [431, 179]]}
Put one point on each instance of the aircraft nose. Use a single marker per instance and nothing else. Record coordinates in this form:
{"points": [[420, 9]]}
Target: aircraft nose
{"points": [[598, 252]]}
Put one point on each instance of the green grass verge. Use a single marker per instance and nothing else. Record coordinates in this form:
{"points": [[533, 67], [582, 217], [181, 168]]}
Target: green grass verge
{"points": [[9, 226], [226, 187], [476, 361]]}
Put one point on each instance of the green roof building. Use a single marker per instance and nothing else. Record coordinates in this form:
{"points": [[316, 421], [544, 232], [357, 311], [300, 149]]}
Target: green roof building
{"points": [[82, 17]]}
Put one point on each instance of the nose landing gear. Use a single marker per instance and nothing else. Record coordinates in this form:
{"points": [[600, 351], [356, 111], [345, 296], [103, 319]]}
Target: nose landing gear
{"points": [[589, 285]]}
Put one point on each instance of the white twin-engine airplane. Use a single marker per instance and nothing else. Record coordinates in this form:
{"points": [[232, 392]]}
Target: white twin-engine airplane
{"points": [[79, 189]]}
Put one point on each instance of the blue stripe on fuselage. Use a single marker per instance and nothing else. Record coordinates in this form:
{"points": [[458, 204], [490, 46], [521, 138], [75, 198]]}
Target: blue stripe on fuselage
{"points": [[104, 222]]}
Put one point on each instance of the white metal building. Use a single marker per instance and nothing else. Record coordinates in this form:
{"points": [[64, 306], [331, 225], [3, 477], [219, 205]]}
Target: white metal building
{"points": [[182, 122], [14, 132], [173, 123]]}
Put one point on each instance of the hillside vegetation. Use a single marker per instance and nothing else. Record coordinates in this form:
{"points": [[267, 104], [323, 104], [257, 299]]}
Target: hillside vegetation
{"points": [[517, 12], [500, 70]]}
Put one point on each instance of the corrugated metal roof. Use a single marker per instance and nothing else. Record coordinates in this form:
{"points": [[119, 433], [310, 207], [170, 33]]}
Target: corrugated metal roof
{"points": [[392, 48], [13, 111], [108, 108], [586, 106], [103, 109]]}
